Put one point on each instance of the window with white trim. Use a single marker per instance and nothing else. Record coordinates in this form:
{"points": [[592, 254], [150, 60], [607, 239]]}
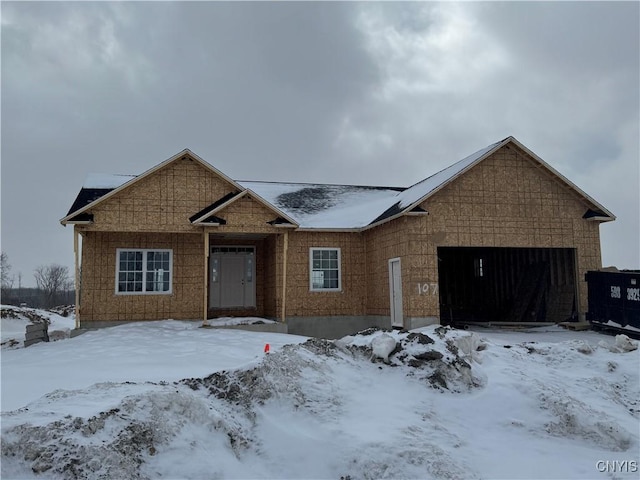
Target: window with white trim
{"points": [[144, 271], [324, 269]]}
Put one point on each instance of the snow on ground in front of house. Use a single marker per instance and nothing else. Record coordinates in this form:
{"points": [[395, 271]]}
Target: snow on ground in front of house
{"points": [[15, 320], [166, 350], [232, 321], [170, 400]]}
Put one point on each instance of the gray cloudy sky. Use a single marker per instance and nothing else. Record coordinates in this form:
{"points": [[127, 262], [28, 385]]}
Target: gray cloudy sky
{"points": [[360, 93]]}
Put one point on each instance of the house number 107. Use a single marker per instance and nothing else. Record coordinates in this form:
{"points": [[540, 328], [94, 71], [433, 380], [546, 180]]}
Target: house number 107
{"points": [[426, 288]]}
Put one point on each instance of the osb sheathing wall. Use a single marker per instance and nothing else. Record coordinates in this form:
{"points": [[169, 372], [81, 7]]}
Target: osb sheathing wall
{"points": [[273, 276], [351, 300], [162, 201], [508, 200], [247, 215], [383, 243], [99, 301]]}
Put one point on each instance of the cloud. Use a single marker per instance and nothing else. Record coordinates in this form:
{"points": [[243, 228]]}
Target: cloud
{"points": [[370, 93]]}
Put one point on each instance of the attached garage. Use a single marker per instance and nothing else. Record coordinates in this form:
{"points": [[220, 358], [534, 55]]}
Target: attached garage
{"points": [[499, 237], [520, 285]]}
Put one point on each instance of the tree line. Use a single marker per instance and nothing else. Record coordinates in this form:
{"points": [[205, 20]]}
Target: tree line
{"points": [[54, 286]]}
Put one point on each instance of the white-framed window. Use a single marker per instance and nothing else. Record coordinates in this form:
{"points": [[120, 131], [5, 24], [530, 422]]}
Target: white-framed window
{"points": [[144, 271], [324, 269]]}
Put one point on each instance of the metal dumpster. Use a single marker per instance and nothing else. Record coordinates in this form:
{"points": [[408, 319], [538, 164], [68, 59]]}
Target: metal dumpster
{"points": [[614, 299]]}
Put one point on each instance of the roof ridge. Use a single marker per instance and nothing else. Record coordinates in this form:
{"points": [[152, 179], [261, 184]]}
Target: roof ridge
{"points": [[324, 184]]}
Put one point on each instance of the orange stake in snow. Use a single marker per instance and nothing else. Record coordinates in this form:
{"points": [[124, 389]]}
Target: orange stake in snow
{"points": [[266, 348]]}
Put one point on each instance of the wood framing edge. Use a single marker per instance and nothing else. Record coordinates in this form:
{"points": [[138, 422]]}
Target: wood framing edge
{"points": [[182, 154], [199, 220], [577, 190], [76, 280], [285, 248], [573, 187], [206, 277]]}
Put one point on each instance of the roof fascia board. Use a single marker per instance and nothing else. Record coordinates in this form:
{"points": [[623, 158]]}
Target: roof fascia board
{"points": [[177, 156], [220, 207], [438, 188], [383, 221], [506, 141], [564, 179], [453, 177], [281, 225], [255, 196], [206, 224], [330, 230], [272, 207]]}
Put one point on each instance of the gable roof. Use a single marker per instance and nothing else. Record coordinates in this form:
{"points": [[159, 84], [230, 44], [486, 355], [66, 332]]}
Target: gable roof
{"points": [[324, 206], [203, 215], [84, 199]]}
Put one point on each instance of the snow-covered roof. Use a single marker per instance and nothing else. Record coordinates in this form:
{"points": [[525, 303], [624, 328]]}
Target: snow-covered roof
{"points": [[326, 206], [426, 187]]}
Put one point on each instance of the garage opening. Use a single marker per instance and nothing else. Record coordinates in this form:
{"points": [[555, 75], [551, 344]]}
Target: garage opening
{"points": [[519, 285]]}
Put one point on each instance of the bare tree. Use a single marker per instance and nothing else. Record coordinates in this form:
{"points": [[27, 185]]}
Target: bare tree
{"points": [[6, 283], [6, 268], [52, 281]]}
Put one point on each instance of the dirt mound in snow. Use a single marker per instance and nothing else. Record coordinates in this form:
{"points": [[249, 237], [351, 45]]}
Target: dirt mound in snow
{"points": [[444, 359], [440, 363], [124, 441], [31, 314], [115, 443]]}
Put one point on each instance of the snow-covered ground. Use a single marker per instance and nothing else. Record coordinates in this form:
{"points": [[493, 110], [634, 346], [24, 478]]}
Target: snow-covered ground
{"points": [[171, 400], [15, 319]]}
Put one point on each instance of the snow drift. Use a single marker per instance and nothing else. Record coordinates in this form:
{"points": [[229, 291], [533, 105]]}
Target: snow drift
{"points": [[436, 403]]}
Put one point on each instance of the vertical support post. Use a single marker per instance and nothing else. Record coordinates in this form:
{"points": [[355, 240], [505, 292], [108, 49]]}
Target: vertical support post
{"points": [[76, 279], [206, 276], [285, 248]]}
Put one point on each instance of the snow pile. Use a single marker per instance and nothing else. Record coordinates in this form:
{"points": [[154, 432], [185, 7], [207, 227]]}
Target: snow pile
{"points": [[382, 346], [60, 322], [435, 403], [434, 351], [223, 408], [622, 344]]}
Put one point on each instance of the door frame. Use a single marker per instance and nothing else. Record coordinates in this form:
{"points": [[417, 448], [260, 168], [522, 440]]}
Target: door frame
{"points": [[395, 292], [252, 290]]}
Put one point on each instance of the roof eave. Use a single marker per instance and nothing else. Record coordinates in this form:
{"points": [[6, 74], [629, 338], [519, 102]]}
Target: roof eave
{"points": [[600, 219], [220, 207], [331, 229], [206, 224], [383, 221], [608, 215], [284, 225], [453, 177], [78, 222], [272, 207], [152, 170]]}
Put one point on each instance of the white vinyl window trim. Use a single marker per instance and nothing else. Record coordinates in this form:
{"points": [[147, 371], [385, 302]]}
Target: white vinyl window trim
{"points": [[141, 271], [325, 269]]}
